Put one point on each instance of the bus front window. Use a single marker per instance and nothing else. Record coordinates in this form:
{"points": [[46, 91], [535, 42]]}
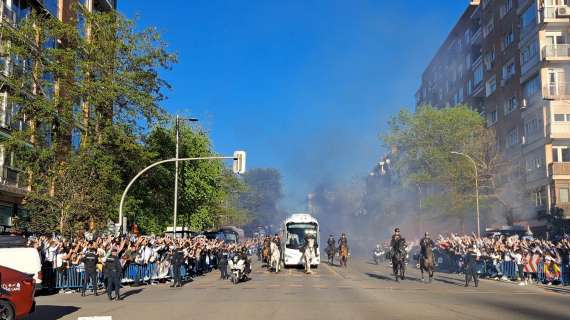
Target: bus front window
{"points": [[296, 234]]}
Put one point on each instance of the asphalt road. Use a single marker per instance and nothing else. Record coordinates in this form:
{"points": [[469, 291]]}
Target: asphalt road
{"points": [[362, 291]]}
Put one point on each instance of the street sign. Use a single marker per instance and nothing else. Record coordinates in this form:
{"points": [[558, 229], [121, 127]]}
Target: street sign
{"points": [[239, 162]]}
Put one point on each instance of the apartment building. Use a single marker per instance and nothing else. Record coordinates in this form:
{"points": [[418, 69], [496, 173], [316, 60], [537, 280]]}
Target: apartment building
{"points": [[13, 183], [510, 60]]}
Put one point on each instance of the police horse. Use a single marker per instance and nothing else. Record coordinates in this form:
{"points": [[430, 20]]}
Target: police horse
{"points": [[275, 257], [266, 251], [343, 253], [426, 263], [399, 259], [331, 251]]}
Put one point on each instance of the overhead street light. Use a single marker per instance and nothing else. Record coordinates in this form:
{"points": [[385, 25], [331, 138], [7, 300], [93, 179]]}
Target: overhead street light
{"points": [[476, 188]]}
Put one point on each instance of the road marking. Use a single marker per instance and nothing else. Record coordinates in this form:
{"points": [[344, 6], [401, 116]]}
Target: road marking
{"points": [[273, 285], [96, 318], [296, 285]]}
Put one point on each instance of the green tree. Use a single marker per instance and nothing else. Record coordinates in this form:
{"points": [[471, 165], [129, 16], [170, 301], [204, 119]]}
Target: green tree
{"points": [[205, 187], [101, 83], [425, 140]]}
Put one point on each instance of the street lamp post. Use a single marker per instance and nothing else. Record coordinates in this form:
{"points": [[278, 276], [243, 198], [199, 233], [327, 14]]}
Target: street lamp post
{"points": [[476, 188], [237, 155], [178, 119]]}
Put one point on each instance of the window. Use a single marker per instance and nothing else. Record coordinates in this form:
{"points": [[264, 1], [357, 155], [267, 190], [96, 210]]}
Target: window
{"points": [[529, 52], [6, 215], [460, 95], [512, 137], [491, 86], [75, 139], [490, 59], [467, 36], [559, 117], [529, 18], [52, 6], [508, 39], [491, 118], [505, 8], [478, 75], [564, 195], [560, 154], [531, 87], [469, 87], [511, 105], [488, 29], [531, 126], [468, 60], [509, 69]]}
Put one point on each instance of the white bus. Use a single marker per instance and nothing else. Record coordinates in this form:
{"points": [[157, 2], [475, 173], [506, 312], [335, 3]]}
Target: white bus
{"points": [[295, 228]]}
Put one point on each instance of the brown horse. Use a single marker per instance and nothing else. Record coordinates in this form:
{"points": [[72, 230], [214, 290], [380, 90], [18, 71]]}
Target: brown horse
{"points": [[343, 253], [426, 264], [266, 251]]}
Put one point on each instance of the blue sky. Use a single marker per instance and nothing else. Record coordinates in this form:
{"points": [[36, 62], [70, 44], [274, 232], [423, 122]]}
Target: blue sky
{"points": [[304, 86]]}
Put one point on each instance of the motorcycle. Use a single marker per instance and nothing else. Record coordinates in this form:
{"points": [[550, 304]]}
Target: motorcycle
{"points": [[237, 269], [377, 255]]}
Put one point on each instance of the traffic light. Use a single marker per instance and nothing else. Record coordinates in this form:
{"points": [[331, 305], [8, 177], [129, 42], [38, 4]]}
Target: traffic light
{"points": [[239, 162]]}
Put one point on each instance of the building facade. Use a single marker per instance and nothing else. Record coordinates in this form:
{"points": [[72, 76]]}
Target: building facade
{"points": [[13, 182], [510, 61]]}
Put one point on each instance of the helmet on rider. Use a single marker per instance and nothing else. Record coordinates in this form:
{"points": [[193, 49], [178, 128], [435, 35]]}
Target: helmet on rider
{"points": [[427, 234]]}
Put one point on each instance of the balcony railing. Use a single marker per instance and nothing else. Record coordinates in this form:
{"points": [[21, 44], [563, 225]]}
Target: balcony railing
{"points": [[13, 178], [551, 12], [476, 35], [559, 168], [556, 51], [560, 90]]}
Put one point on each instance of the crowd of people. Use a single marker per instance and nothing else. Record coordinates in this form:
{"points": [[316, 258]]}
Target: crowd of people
{"points": [[526, 253], [197, 255]]}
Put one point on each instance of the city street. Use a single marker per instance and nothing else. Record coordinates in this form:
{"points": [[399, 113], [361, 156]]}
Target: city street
{"points": [[363, 291]]}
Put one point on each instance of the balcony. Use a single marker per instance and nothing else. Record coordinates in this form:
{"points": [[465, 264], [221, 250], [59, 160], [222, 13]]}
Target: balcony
{"points": [[559, 168], [13, 180], [476, 35], [557, 91], [7, 15], [556, 52], [551, 13]]}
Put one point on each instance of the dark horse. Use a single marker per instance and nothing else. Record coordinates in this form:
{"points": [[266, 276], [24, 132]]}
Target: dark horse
{"points": [[330, 253], [426, 263], [399, 259]]}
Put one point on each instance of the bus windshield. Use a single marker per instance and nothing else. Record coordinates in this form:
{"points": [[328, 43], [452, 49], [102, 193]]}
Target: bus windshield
{"points": [[296, 233]]}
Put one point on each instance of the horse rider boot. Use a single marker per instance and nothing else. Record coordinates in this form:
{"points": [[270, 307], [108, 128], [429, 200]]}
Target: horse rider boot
{"points": [[114, 272], [471, 258], [90, 261], [177, 260]]}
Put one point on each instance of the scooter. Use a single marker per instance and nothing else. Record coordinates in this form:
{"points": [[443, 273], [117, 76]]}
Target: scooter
{"points": [[237, 269]]}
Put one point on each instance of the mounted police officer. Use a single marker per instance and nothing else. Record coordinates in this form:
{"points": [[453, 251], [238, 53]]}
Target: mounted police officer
{"points": [[90, 261], [426, 244], [113, 272], [331, 241], [471, 258]]}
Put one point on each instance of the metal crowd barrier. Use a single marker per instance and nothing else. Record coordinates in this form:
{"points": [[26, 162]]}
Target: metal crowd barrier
{"points": [[72, 278]]}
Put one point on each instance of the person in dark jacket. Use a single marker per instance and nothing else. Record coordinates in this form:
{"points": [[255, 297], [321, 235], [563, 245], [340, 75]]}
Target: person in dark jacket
{"points": [[177, 260], [90, 262], [223, 263], [113, 272]]}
